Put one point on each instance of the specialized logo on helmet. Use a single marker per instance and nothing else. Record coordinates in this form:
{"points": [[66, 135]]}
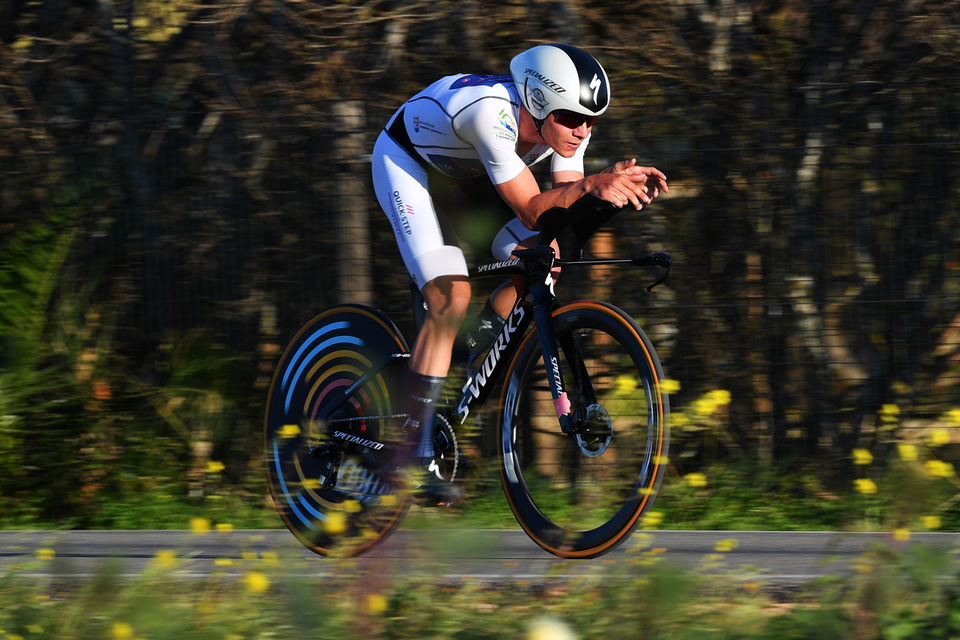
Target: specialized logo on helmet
{"points": [[547, 82], [595, 85]]}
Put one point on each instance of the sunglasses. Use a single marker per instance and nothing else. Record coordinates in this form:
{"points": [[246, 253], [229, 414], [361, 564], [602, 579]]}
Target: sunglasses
{"points": [[572, 120]]}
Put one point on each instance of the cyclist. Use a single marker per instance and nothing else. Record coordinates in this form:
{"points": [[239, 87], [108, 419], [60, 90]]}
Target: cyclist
{"points": [[453, 164]]}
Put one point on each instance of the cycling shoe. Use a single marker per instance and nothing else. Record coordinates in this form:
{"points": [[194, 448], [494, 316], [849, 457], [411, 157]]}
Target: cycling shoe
{"points": [[425, 485]]}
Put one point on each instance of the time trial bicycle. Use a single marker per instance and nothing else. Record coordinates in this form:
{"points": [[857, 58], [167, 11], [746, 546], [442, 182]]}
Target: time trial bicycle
{"points": [[582, 418]]}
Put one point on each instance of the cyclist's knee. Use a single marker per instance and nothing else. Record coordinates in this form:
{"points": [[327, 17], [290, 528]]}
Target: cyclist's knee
{"points": [[448, 298]]}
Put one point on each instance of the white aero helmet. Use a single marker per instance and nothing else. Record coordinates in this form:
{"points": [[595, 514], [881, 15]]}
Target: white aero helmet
{"points": [[550, 77]]}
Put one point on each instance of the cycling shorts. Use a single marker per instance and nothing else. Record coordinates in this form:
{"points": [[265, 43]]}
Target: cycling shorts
{"points": [[434, 218]]}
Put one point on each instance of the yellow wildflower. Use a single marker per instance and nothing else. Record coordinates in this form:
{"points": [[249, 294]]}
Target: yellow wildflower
{"points": [[289, 431], [376, 603], [865, 485], [388, 500], [214, 466], [625, 384], [862, 456], [652, 519], [939, 469], [199, 525], [336, 523], [720, 397], [224, 527], [696, 479], [670, 386], [727, 544], [908, 452], [901, 535], [46, 554], [931, 522], [939, 437], [165, 559], [256, 582], [889, 413], [121, 631]]}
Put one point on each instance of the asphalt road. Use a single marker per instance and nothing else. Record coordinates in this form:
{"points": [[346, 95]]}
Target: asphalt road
{"points": [[781, 559]]}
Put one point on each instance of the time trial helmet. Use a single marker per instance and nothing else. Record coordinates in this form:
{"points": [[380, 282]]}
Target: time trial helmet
{"points": [[551, 77]]}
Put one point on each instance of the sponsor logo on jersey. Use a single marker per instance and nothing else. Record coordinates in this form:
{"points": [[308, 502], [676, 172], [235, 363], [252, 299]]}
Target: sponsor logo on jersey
{"points": [[419, 123], [508, 122], [475, 80], [402, 211]]}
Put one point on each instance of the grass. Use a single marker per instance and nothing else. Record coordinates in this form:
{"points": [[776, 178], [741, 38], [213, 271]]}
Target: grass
{"points": [[911, 593], [732, 497]]}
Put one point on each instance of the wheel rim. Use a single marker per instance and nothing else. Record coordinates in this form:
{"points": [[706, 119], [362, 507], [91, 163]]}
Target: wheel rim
{"points": [[607, 484]]}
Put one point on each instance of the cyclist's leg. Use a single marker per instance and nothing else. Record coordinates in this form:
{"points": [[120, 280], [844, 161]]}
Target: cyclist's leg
{"points": [[439, 269], [512, 236]]}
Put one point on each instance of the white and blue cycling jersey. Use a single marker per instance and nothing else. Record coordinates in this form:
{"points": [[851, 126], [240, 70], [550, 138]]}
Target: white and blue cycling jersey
{"points": [[465, 125], [461, 126]]}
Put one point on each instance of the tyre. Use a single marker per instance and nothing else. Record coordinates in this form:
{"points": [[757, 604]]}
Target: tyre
{"points": [[580, 495], [324, 431]]}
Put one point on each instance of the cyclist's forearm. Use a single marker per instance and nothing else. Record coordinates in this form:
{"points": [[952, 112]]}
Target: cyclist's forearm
{"points": [[563, 195]]}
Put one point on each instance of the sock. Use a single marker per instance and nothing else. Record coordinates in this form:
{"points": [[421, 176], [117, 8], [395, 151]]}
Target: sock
{"points": [[421, 398]]}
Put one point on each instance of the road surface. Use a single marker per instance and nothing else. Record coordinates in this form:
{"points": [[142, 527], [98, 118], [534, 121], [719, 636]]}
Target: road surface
{"points": [[780, 559]]}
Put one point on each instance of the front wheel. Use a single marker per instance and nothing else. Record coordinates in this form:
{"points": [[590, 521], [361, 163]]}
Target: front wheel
{"points": [[579, 495]]}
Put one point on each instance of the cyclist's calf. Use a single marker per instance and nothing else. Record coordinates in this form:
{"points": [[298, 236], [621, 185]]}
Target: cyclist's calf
{"points": [[447, 298]]}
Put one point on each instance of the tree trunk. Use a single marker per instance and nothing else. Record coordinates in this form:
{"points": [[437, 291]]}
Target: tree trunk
{"points": [[351, 210]]}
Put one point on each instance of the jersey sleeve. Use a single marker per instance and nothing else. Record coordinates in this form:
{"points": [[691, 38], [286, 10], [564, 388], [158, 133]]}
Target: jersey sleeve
{"points": [[573, 163], [489, 126]]}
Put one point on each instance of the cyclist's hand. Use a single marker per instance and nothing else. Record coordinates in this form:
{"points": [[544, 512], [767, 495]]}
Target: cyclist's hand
{"points": [[627, 183], [650, 177]]}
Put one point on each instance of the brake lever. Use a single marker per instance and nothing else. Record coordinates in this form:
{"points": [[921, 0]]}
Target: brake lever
{"points": [[661, 279], [658, 259]]}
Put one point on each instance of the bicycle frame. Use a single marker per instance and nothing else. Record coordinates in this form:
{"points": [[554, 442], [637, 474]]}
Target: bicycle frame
{"points": [[535, 306]]}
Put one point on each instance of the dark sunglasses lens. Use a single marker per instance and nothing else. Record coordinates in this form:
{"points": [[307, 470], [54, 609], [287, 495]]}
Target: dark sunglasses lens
{"points": [[572, 120]]}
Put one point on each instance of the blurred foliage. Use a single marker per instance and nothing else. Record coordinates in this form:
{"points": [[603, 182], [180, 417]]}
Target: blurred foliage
{"points": [[897, 591], [173, 180]]}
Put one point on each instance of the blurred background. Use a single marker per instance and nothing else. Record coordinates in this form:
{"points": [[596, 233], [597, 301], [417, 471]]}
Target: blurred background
{"points": [[183, 184]]}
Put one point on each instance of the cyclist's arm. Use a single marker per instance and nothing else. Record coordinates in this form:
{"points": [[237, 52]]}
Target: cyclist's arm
{"points": [[523, 193], [493, 133]]}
